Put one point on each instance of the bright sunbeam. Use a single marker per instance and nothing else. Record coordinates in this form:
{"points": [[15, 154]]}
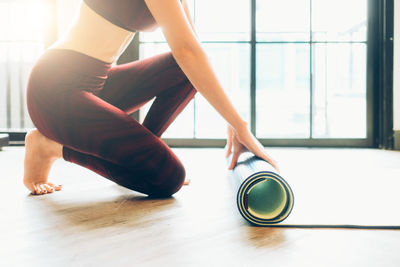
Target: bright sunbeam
{"points": [[22, 20]]}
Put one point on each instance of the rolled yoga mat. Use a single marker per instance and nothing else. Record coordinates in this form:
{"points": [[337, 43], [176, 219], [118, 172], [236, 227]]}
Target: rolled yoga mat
{"points": [[263, 196], [4, 139]]}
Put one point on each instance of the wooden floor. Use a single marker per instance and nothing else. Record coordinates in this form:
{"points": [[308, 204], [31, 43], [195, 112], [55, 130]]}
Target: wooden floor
{"points": [[93, 222]]}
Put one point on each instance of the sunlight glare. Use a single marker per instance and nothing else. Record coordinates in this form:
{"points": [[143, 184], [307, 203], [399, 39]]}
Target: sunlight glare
{"points": [[23, 20]]}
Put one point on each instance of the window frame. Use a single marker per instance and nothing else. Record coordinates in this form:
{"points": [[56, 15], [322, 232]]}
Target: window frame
{"points": [[379, 87]]}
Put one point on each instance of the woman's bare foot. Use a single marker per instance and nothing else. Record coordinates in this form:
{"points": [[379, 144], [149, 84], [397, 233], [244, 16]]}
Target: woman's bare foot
{"points": [[40, 153]]}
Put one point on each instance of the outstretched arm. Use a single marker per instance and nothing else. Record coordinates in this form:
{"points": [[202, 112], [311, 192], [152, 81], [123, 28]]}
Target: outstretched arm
{"points": [[191, 57]]}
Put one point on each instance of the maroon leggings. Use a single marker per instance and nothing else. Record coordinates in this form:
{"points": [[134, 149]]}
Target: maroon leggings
{"points": [[83, 103]]}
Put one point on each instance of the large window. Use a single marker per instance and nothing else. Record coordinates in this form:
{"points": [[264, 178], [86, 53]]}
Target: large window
{"points": [[22, 27], [299, 66], [311, 69], [296, 70]]}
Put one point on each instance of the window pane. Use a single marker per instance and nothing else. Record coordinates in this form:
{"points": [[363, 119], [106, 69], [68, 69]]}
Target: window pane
{"points": [[231, 63], [22, 27], [339, 20], [154, 36], [285, 20], [282, 96], [150, 49], [233, 24], [183, 125], [339, 88], [25, 20]]}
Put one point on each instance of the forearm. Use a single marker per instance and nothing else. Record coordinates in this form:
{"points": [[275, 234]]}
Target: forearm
{"points": [[198, 69]]}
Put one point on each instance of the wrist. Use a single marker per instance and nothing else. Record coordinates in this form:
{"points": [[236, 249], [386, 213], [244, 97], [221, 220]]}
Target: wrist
{"points": [[240, 126]]}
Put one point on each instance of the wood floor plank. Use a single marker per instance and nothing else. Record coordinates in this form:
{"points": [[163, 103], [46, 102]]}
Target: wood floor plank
{"points": [[93, 222]]}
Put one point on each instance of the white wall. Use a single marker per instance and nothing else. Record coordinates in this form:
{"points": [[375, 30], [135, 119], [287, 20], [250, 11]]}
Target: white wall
{"points": [[396, 67]]}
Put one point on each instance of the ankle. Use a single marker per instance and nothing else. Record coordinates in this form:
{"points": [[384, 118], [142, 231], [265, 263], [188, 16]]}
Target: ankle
{"points": [[50, 147], [55, 148]]}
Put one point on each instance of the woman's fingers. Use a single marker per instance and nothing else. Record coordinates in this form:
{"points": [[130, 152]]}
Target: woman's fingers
{"points": [[246, 141], [229, 145], [229, 142], [250, 143], [234, 160]]}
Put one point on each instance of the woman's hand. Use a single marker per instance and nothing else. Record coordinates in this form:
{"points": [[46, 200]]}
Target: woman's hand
{"points": [[242, 140]]}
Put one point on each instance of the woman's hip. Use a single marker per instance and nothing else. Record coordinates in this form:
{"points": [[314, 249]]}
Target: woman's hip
{"points": [[58, 74]]}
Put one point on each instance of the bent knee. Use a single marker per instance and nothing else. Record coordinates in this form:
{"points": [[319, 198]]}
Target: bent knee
{"points": [[171, 184]]}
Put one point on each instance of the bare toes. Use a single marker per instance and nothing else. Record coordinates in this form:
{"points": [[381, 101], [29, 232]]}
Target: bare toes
{"points": [[37, 191], [48, 188], [33, 191], [40, 189], [43, 188], [56, 187]]}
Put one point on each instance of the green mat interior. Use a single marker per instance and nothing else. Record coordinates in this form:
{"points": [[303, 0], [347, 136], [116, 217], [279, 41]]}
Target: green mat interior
{"points": [[266, 199]]}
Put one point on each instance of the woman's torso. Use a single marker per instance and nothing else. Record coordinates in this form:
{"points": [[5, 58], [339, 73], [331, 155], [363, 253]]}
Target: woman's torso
{"points": [[95, 36]]}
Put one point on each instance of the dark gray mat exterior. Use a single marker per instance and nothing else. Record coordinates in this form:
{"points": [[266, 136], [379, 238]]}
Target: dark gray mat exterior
{"points": [[4, 139]]}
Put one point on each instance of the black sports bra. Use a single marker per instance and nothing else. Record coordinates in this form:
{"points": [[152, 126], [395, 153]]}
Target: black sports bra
{"points": [[132, 15]]}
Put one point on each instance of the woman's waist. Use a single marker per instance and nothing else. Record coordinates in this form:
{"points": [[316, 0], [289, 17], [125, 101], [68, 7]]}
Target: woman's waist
{"points": [[94, 36], [106, 51]]}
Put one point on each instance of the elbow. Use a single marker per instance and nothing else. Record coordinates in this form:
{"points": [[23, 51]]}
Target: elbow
{"points": [[186, 52]]}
